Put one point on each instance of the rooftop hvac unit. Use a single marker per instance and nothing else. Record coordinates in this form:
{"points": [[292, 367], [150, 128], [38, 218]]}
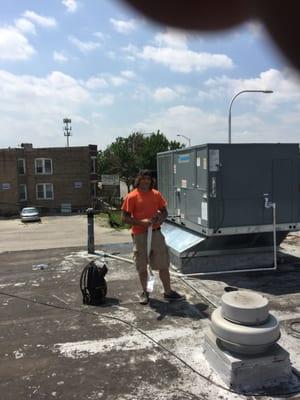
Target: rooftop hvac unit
{"points": [[220, 199]]}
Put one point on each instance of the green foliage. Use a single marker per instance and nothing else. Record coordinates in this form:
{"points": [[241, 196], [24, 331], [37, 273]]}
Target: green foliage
{"points": [[115, 220], [127, 155]]}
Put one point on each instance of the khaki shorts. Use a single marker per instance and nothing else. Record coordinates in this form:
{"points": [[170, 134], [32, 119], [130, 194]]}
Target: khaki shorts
{"points": [[159, 255]]}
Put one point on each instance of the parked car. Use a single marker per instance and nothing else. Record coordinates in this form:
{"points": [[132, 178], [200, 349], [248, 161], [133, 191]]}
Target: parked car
{"points": [[30, 214]]}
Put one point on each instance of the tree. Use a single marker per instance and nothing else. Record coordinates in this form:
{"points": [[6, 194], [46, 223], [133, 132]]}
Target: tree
{"points": [[126, 156]]}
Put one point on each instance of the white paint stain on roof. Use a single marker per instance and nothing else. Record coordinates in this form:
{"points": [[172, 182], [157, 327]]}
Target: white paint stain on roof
{"points": [[18, 354], [133, 341]]}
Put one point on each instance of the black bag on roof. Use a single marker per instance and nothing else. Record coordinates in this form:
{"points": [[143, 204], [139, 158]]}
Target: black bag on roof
{"points": [[92, 284]]}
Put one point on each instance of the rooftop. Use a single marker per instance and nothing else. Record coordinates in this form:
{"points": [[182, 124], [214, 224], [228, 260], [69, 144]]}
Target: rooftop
{"points": [[52, 346]]}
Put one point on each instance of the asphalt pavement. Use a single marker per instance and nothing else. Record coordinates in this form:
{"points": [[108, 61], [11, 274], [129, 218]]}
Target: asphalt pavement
{"points": [[55, 232]]}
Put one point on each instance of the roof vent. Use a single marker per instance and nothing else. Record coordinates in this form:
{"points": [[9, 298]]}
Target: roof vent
{"points": [[241, 344]]}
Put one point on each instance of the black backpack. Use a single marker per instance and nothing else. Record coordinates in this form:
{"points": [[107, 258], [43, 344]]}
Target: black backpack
{"points": [[92, 284]]}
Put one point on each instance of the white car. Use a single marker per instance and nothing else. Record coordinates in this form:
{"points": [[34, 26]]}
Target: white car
{"points": [[30, 214]]}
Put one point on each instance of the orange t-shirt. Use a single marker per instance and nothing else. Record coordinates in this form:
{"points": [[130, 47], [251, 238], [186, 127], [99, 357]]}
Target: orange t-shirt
{"points": [[142, 205]]}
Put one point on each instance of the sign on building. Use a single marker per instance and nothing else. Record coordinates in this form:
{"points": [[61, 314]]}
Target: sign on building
{"points": [[66, 208], [110, 180], [5, 186], [77, 185]]}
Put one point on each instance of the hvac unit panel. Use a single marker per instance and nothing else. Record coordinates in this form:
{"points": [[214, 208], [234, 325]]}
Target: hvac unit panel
{"points": [[185, 169], [283, 189], [166, 180], [220, 189], [201, 169]]}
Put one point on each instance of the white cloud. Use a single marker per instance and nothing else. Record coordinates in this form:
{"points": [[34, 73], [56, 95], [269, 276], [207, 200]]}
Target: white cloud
{"points": [[29, 99], [285, 84], [95, 83], [171, 38], [14, 45], [130, 48], [117, 80], [266, 118], [23, 25], [60, 57], [105, 100], [172, 51], [33, 109], [131, 52], [84, 47], [257, 116], [105, 80], [183, 60], [128, 74], [111, 54], [122, 26], [96, 115], [47, 22], [182, 89], [100, 35], [71, 5], [164, 94], [186, 120]]}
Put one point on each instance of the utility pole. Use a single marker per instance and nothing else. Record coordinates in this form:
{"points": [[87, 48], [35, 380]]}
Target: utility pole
{"points": [[67, 129]]}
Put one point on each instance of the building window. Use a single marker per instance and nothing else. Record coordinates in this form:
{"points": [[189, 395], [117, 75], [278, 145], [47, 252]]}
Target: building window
{"points": [[43, 166], [44, 191], [93, 189], [21, 166], [78, 185], [93, 165], [22, 192]]}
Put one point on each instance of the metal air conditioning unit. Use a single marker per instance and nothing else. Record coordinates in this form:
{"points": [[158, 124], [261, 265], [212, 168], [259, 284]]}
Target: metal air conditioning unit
{"points": [[220, 202]]}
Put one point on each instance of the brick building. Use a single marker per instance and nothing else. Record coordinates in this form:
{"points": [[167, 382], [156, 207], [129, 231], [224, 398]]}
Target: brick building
{"points": [[47, 178]]}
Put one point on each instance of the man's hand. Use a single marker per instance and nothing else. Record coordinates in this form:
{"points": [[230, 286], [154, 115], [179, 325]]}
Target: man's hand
{"points": [[145, 222], [158, 218], [126, 217]]}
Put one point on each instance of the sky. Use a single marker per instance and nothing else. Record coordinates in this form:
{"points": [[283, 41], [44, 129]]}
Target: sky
{"points": [[114, 73]]}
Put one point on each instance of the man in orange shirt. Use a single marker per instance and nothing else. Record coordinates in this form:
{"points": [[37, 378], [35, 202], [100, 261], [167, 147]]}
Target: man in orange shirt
{"points": [[142, 207]]}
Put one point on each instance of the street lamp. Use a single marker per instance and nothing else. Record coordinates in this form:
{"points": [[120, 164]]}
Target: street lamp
{"points": [[234, 97], [187, 138]]}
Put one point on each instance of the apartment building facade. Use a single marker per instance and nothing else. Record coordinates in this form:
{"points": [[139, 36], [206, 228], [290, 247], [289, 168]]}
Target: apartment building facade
{"points": [[48, 178]]}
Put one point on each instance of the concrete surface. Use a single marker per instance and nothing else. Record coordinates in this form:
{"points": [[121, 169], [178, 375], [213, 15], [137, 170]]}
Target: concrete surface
{"points": [[244, 372], [51, 346], [54, 232]]}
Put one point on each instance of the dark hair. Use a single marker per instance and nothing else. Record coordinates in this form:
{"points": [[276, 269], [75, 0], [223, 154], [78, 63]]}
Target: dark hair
{"points": [[143, 173]]}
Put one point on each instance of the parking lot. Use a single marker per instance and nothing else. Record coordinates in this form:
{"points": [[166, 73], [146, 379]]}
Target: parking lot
{"points": [[54, 232]]}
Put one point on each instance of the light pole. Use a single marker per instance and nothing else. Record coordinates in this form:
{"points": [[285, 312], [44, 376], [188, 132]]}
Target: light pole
{"points": [[187, 138], [234, 97]]}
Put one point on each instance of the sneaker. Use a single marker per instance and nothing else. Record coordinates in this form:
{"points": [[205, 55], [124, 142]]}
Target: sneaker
{"points": [[174, 296], [144, 298]]}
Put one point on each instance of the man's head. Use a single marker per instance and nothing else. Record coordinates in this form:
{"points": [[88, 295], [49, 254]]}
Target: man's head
{"points": [[144, 180]]}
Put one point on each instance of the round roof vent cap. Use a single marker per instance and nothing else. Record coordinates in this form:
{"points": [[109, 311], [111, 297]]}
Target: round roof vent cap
{"points": [[245, 307]]}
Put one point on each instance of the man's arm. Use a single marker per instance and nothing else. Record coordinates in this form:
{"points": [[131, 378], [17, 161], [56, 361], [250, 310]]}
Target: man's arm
{"points": [[128, 219]]}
